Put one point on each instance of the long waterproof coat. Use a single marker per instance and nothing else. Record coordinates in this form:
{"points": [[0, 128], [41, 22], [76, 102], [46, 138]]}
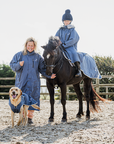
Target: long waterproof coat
{"points": [[69, 38], [27, 76]]}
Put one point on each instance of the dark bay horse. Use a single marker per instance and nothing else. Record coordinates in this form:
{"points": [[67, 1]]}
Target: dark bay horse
{"points": [[65, 75]]}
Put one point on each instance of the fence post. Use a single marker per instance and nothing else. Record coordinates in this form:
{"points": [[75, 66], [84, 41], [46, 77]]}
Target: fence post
{"points": [[97, 85], [106, 92], [60, 93]]}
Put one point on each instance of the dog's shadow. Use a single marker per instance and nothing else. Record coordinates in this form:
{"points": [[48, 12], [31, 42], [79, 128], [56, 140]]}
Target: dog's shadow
{"points": [[47, 133]]}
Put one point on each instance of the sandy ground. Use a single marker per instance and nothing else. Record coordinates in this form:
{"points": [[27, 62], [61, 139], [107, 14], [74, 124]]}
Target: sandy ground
{"points": [[98, 130]]}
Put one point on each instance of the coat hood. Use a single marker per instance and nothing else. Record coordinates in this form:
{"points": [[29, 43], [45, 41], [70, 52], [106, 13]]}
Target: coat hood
{"points": [[68, 26]]}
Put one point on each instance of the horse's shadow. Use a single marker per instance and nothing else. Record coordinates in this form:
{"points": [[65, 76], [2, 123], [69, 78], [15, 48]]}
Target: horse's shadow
{"points": [[48, 133]]}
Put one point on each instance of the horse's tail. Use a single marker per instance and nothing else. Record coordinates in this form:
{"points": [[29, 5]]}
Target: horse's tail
{"points": [[94, 103]]}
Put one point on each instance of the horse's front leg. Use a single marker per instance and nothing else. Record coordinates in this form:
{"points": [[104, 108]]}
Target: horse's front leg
{"points": [[51, 92], [63, 101]]}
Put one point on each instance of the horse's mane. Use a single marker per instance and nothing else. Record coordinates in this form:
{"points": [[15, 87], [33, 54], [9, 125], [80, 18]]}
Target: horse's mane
{"points": [[53, 43]]}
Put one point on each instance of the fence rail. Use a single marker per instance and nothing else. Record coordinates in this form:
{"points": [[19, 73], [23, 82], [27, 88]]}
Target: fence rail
{"points": [[97, 85]]}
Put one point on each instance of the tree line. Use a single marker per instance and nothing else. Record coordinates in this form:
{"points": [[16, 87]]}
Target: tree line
{"points": [[104, 64]]}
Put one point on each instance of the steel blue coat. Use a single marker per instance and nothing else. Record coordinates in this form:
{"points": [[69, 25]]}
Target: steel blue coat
{"points": [[69, 38], [27, 76], [25, 100]]}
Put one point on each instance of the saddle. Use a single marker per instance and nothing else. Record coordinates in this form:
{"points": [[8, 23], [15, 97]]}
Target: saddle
{"points": [[87, 63]]}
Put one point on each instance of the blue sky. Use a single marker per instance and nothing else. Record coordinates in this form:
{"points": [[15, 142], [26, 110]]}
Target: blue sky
{"points": [[21, 19]]}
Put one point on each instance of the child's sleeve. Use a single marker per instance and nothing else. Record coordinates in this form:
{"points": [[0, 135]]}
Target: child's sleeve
{"points": [[58, 33], [74, 38], [14, 64]]}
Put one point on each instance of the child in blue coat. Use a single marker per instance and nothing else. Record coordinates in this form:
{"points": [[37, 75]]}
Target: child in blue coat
{"points": [[28, 64], [69, 39]]}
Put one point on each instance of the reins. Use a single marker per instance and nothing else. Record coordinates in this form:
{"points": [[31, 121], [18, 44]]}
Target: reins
{"points": [[66, 55], [60, 65]]}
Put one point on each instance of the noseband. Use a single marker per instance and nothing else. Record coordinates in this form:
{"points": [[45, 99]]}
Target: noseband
{"points": [[52, 66]]}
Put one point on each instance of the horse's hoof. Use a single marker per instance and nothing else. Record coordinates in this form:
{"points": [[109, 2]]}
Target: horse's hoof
{"points": [[64, 120], [82, 114], [87, 117], [78, 116], [51, 120]]}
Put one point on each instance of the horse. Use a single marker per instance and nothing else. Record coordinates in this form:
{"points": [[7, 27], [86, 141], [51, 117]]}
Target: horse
{"points": [[56, 62]]}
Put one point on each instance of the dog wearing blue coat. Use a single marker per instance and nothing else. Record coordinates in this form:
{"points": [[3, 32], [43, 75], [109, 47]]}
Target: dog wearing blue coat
{"points": [[19, 103]]}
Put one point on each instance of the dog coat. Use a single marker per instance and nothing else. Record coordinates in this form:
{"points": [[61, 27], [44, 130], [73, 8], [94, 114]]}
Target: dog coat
{"points": [[25, 100]]}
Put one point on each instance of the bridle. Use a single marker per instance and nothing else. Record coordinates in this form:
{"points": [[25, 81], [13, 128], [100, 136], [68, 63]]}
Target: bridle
{"points": [[58, 62], [52, 66]]}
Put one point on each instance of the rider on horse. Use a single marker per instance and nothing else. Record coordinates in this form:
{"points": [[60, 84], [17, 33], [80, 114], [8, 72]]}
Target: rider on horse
{"points": [[69, 39]]}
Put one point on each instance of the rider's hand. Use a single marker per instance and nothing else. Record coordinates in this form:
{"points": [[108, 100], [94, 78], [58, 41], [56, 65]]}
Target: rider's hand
{"points": [[62, 45]]}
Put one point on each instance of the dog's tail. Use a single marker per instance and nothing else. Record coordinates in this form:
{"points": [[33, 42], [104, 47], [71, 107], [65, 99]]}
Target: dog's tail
{"points": [[35, 106]]}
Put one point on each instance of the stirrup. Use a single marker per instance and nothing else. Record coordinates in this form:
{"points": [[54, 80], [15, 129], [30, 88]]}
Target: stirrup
{"points": [[79, 74]]}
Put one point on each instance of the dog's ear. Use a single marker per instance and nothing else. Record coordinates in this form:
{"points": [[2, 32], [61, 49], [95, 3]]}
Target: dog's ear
{"points": [[20, 92]]}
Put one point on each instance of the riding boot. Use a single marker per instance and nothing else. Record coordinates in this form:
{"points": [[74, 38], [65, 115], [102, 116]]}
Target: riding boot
{"points": [[30, 121], [79, 74], [30, 116]]}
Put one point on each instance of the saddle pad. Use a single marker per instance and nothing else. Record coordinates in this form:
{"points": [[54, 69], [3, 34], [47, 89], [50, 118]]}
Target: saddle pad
{"points": [[88, 66]]}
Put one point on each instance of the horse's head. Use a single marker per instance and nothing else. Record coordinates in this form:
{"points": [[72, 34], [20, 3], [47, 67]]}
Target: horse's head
{"points": [[51, 52]]}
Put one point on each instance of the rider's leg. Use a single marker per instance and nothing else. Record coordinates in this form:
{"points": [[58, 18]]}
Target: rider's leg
{"points": [[79, 74]]}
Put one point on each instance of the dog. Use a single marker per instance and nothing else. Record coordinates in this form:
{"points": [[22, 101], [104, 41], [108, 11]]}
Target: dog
{"points": [[19, 103]]}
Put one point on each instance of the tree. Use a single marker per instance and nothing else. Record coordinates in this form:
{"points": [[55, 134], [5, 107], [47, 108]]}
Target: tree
{"points": [[106, 67], [6, 71]]}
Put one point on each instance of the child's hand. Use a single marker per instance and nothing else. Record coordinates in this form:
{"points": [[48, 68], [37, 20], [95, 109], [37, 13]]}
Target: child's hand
{"points": [[53, 76], [21, 63]]}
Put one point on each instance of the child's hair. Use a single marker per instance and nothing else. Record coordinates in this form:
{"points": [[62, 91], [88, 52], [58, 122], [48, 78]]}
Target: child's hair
{"points": [[25, 45]]}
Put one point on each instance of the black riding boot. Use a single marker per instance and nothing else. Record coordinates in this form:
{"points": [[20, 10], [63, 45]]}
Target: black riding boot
{"points": [[79, 74], [30, 121]]}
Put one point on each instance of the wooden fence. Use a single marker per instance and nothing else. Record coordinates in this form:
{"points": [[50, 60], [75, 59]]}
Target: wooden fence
{"points": [[97, 85]]}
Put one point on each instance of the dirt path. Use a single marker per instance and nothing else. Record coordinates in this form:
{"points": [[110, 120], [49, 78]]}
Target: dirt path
{"points": [[98, 130]]}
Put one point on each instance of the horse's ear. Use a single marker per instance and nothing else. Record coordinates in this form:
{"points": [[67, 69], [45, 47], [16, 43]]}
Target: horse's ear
{"points": [[44, 47]]}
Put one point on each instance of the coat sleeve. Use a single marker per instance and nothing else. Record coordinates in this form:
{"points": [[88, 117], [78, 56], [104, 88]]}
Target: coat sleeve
{"points": [[14, 64], [42, 68], [58, 33], [74, 38]]}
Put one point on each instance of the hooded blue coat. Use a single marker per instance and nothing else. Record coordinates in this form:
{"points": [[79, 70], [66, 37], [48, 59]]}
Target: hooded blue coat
{"points": [[69, 38], [27, 76]]}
